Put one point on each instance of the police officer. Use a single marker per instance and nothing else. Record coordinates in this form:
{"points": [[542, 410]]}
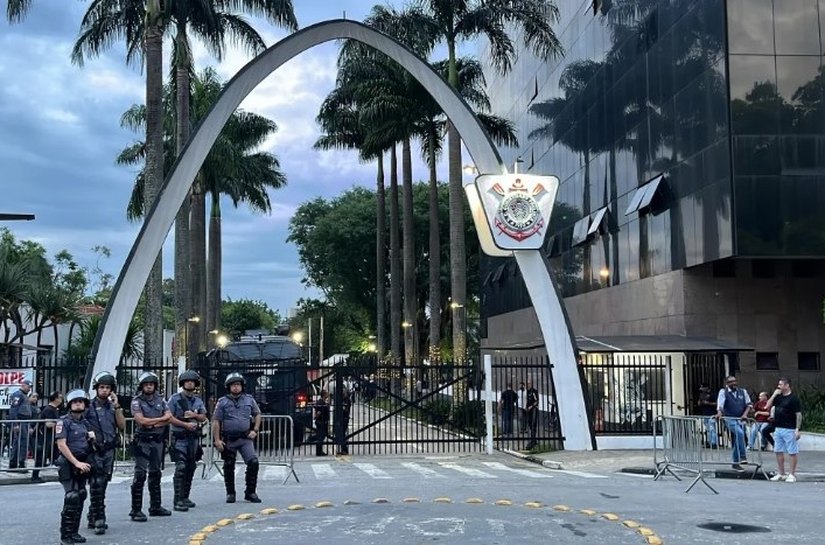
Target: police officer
{"points": [[235, 426], [20, 409], [73, 437], [105, 418], [151, 418], [188, 413], [321, 420]]}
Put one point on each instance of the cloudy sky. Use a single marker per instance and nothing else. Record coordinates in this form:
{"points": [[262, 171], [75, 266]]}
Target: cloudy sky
{"points": [[60, 134]]}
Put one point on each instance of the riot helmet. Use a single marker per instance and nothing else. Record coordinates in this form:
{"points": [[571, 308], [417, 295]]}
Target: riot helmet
{"points": [[189, 375], [233, 378], [104, 378], [77, 395], [148, 378]]}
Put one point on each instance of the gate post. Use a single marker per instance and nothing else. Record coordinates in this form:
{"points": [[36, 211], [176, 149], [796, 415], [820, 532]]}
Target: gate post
{"points": [[488, 401]]}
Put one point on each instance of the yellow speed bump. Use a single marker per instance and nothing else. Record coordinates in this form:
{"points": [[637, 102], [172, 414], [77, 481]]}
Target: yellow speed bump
{"points": [[269, 511], [245, 516], [380, 500], [295, 507], [562, 508], [195, 542], [224, 522], [504, 502], [200, 536], [352, 502], [411, 500], [533, 504], [442, 500], [474, 500], [610, 516], [209, 529], [588, 512], [631, 524], [325, 503], [654, 540], [646, 532]]}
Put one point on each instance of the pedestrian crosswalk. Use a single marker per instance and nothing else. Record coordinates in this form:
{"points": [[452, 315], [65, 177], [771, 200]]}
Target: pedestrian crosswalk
{"points": [[334, 471], [343, 470]]}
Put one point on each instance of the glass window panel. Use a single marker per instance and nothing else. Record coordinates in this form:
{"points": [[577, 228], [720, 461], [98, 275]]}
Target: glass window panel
{"points": [[750, 28], [754, 95], [757, 155], [796, 27], [800, 82]]}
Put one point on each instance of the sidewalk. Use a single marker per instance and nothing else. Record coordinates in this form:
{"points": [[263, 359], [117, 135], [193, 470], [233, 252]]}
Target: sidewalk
{"points": [[811, 464]]}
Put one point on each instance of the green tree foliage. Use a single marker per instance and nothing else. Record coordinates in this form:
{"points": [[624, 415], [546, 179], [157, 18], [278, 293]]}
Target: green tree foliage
{"points": [[335, 240], [245, 314], [35, 293]]}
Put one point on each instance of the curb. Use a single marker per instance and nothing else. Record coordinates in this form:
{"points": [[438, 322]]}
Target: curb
{"points": [[638, 470], [549, 464], [8, 481]]}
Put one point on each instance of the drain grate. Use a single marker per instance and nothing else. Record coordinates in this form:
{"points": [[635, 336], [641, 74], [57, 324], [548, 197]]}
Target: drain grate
{"points": [[734, 528]]}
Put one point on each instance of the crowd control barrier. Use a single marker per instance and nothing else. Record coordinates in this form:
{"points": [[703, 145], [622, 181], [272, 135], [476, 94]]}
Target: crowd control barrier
{"points": [[698, 444], [275, 445]]}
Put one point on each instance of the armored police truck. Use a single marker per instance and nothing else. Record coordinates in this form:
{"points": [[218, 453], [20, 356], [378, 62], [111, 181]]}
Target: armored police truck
{"points": [[276, 372]]}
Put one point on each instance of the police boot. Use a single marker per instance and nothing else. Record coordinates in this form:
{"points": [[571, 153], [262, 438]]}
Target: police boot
{"points": [[155, 508], [229, 481], [251, 482], [179, 487], [76, 537], [66, 521], [187, 486], [136, 513]]}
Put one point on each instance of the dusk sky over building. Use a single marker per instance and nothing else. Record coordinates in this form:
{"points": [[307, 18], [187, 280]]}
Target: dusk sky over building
{"points": [[60, 135]]}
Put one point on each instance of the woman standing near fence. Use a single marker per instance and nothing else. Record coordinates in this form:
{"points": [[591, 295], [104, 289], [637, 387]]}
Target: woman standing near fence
{"points": [[73, 441]]}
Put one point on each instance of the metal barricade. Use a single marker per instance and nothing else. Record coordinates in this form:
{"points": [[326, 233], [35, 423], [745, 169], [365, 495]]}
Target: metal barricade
{"points": [[275, 446], [695, 444], [27, 445]]}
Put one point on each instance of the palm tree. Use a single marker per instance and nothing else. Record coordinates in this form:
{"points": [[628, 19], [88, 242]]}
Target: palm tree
{"points": [[141, 23], [233, 167], [343, 128], [16, 10], [214, 22], [454, 21]]}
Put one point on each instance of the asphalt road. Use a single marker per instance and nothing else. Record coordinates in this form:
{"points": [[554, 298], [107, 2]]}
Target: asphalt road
{"points": [[442, 499]]}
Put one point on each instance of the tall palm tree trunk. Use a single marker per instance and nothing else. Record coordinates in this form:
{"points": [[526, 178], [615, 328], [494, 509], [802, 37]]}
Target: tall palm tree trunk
{"points": [[395, 262], [197, 248], [380, 262], [408, 226], [458, 258], [214, 260], [183, 276], [435, 258], [153, 326]]}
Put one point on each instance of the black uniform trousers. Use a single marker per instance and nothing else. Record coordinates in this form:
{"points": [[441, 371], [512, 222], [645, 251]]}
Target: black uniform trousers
{"points": [[148, 451], [74, 494]]}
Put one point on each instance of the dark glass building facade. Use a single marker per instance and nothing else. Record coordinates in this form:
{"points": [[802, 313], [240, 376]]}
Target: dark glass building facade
{"points": [[689, 138]]}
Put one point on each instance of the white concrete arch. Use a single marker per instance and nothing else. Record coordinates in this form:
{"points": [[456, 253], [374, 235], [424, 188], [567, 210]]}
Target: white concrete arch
{"points": [[161, 216]]}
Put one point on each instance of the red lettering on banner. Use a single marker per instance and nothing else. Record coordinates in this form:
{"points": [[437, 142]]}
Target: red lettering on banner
{"points": [[12, 378]]}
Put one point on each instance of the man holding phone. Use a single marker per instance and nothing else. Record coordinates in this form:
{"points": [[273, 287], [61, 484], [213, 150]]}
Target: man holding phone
{"points": [[105, 418], [788, 419]]}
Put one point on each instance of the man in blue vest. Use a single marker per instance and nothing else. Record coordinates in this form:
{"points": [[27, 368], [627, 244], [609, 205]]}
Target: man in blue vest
{"points": [[20, 409], [734, 404]]}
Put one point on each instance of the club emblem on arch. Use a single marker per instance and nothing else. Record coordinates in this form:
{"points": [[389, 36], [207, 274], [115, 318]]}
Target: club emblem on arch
{"points": [[518, 207]]}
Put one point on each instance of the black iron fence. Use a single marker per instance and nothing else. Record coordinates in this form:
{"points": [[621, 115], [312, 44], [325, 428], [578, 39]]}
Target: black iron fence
{"points": [[627, 391], [526, 414]]}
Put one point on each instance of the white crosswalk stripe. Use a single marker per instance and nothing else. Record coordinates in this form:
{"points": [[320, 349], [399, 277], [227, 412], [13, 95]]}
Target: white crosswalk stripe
{"points": [[466, 470], [274, 473], [524, 472], [423, 471], [373, 471], [323, 471]]}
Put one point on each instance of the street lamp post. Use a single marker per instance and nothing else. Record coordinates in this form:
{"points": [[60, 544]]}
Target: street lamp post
{"points": [[189, 321]]}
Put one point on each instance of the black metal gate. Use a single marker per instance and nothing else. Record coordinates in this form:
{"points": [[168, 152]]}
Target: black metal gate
{"points": [[391, 410]]}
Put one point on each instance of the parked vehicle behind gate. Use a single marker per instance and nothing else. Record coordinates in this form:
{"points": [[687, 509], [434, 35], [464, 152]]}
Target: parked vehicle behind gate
{"points": [[277, 376]]}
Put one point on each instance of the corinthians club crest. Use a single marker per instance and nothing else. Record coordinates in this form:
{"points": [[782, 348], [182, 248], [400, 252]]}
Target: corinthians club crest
{"points": [[518, 208]]}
